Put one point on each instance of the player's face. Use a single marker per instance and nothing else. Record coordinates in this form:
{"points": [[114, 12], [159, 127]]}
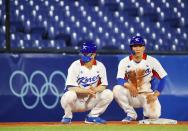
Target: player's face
{"points": [[93, 55], [138, 49]]}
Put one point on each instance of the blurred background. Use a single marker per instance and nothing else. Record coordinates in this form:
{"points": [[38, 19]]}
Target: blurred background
{"points": [[39, 39], [59, 25]]}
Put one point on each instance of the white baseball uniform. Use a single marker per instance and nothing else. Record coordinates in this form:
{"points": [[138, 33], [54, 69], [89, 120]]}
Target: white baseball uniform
{"points": [[122, 95], [79, 75]]}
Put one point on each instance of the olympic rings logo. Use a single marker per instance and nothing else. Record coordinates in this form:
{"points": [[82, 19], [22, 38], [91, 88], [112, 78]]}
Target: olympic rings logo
{"points": [[29, 86]]}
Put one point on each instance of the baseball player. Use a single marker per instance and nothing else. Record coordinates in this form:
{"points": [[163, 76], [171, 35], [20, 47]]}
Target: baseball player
{"points": [[86, 83], [135, 88]]}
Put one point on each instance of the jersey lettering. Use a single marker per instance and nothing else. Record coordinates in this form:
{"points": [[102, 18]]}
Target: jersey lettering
{"points": [[85, 81]]}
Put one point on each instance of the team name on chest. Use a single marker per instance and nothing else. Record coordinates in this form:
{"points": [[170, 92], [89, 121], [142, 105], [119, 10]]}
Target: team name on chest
{"points": [[88, 77]]}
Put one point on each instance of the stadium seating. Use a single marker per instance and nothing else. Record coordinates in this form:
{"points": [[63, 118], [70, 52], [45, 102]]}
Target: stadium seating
{"points": [[58, 24], [2, 26]]}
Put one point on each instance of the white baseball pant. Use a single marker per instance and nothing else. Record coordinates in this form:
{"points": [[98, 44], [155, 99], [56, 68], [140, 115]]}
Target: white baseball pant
{"points": [[70, 102], [128, 103]]}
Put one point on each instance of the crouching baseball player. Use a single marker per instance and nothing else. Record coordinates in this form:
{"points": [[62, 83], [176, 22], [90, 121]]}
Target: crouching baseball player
{"points": [[86, 84], [135, 89]]}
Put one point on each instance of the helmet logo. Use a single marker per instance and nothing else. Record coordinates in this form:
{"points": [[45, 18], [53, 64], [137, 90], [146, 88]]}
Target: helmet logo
{"points": [[88, 47], [84, 47], [137, 39]]}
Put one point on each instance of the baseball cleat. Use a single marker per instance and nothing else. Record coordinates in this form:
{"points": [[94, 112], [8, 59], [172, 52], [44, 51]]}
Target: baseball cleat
{"points": [[96, 120], [66, 120], [127, 119]]}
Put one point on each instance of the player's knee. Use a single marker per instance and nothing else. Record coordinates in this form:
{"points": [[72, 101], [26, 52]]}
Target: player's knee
{"points": [[116, 90], [154, 115], [68, 97], [108, 95]]}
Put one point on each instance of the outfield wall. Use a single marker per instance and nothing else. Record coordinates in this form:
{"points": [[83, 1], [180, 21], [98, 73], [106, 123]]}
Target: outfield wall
{"points": [[31, 86]]}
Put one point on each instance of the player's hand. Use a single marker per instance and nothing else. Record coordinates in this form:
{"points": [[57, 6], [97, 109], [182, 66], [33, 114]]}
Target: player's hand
{"points": [[92, 92], [93, 89], [132, 89], [152, 97]]}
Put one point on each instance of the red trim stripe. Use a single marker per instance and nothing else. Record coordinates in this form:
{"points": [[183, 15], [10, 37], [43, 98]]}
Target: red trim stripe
{"points": [[82, 63], [155, 74], [144, 57]]}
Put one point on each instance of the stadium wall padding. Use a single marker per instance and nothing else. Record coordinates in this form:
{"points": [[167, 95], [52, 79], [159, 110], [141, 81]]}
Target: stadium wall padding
{"points": [[31, 86]]}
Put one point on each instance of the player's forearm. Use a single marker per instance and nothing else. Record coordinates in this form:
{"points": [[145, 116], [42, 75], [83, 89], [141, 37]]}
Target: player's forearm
{"points": [[127, 85], [162, 83], [100, 88], [79, 90]]}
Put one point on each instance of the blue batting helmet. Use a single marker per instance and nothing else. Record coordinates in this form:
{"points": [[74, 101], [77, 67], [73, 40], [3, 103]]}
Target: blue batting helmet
{"points": [[137, 40], [88, 47]]}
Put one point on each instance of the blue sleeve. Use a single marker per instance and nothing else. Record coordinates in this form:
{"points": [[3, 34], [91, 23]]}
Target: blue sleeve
{"points": [[161, 85], [121, 81]]}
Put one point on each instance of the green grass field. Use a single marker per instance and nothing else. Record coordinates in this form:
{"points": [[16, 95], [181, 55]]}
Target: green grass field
{"points": [[98, 128]]}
